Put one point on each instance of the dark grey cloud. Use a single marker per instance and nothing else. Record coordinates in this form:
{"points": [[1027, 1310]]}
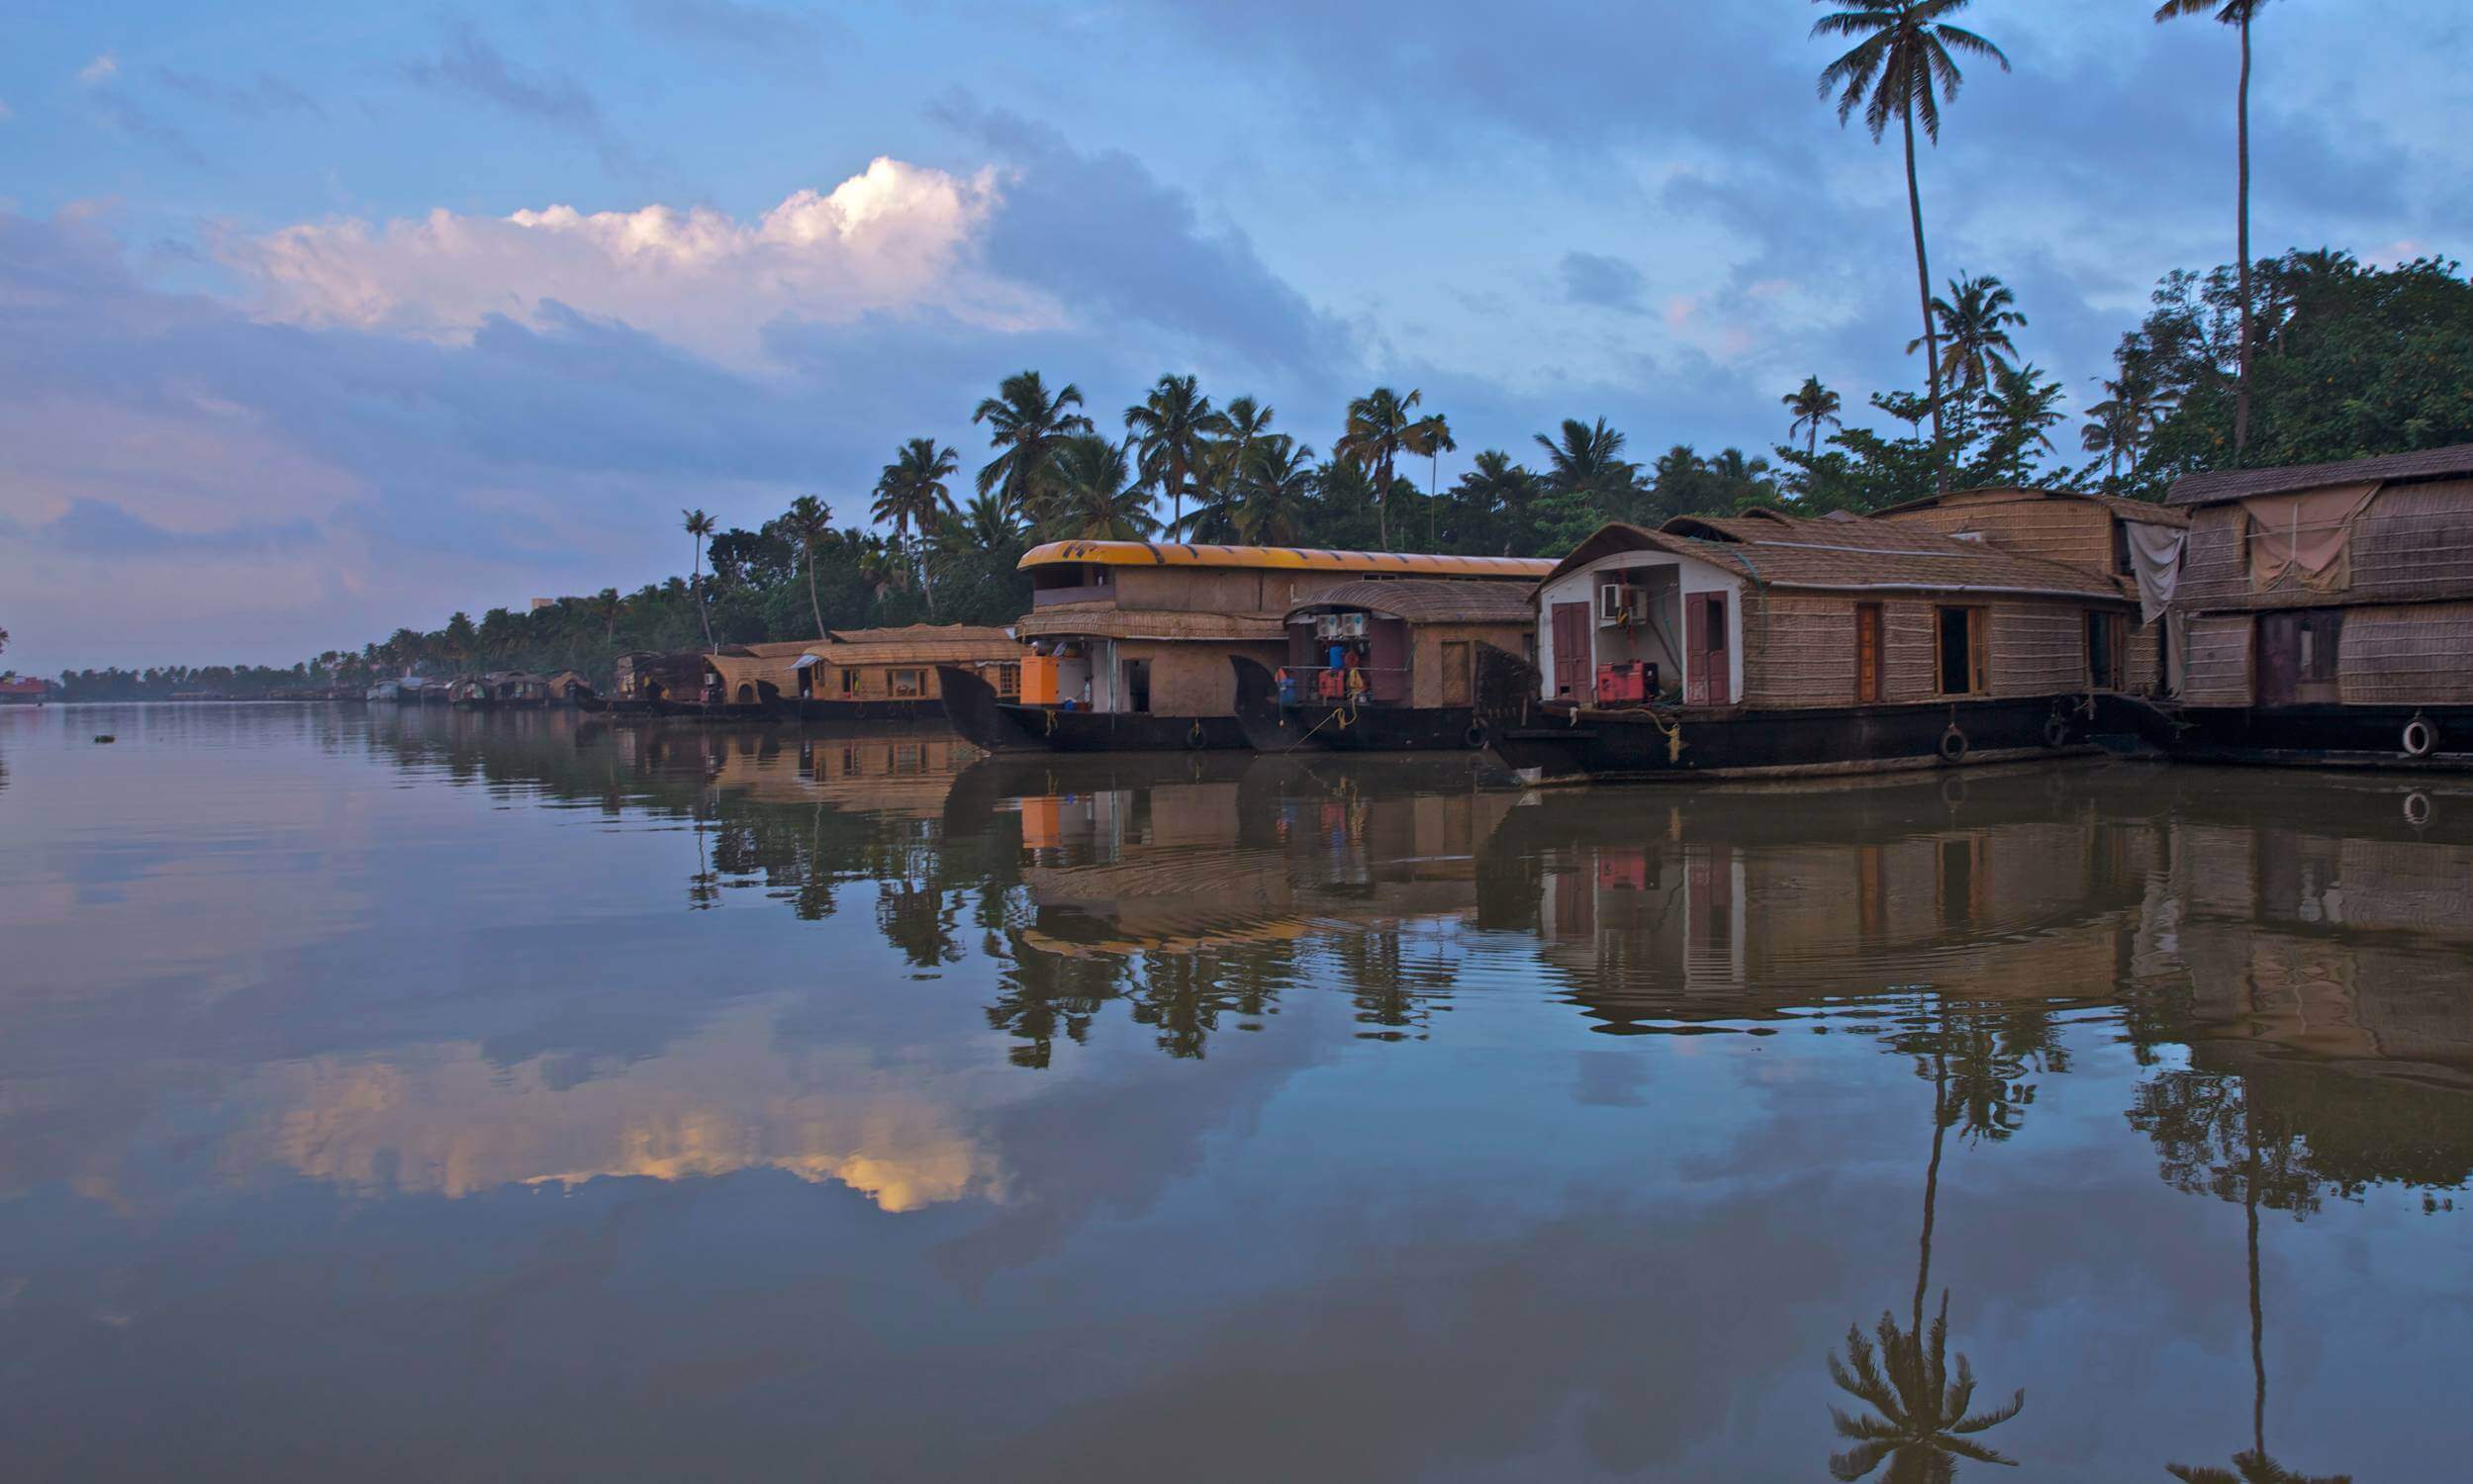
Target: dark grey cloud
{"points": [[96, 527], [260, 97], [768, 34], [469, 66], [112, 105], [1102, 231], [1601, 282]]}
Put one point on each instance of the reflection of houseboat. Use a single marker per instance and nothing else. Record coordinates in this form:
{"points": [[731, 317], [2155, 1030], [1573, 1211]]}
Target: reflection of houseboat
{"points": [[1772, 643], [1387, 666], [2330, 613], [1133, 640], [866, 675]]}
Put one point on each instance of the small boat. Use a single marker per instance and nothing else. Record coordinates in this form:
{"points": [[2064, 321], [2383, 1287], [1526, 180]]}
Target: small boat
{"points": [[993, 724]]}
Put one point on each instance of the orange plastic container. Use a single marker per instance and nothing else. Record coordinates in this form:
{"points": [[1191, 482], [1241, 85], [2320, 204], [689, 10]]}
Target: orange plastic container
{"points": [[1039, 680]]}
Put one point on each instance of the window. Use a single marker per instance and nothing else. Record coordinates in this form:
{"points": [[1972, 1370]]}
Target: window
{"points": [[1961, 663], [1009, 681], [2121, 550], [850, 682], [2107, 638], [908, 683]]}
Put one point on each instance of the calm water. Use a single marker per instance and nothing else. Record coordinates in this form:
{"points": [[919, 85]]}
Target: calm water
{"points": [[455, 1097]]}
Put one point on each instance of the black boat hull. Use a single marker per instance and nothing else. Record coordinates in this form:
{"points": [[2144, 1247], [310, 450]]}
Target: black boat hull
{"points": [[1574, 742], [991, 724], [2316, 736]]}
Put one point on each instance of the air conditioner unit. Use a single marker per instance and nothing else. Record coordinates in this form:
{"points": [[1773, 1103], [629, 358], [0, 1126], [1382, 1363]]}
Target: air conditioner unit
{"points": [[1327, 626], [1353, 626], [1618, 603]]}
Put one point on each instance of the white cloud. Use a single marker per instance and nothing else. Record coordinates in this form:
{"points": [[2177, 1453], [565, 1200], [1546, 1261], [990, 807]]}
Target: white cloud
{"points": [[894, 237], [103, 68]]}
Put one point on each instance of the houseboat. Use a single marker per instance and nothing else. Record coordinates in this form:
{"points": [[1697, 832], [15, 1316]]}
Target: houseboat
{"points": [[663, 683], [499, 691], [23, 691], [1130, 640], [1767, 643], [867, 673], [2328, 613], [1387, 665]]}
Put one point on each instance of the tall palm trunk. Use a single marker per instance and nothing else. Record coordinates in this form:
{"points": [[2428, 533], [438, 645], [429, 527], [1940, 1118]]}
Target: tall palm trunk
{"points": [[2257, 1313], [1923, 290], [1932, 1180], [1382, 502], [702, 615], [814, 606], [2241, 385]]}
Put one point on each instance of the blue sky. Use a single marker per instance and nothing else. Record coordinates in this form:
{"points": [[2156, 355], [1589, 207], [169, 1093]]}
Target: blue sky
{"points": [[318, 320]]}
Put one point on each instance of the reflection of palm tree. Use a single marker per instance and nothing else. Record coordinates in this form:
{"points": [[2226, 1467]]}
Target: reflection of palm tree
{"points": [[1922, 1423]]}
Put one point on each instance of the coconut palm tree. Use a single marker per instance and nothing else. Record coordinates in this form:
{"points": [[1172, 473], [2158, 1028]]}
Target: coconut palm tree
{"points": [[912, 494], [2236, 13], [1974, 337], [1429, 437], [1814, 405], [1919, 1419], [2021, 405], [1273, 490], [1025, 423], [1376, 436], [1494, 483], [1172, 428], [1901, 69], [1096, 499], [1587, 461], [699, 527], [608, 606], [811, 521]]}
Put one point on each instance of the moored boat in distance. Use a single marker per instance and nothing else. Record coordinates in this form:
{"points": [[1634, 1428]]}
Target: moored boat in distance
{"points": [[1769, 644], [1131, 639]]}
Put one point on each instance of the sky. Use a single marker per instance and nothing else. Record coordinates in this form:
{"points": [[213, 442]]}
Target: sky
{"points": [[321, 321]]}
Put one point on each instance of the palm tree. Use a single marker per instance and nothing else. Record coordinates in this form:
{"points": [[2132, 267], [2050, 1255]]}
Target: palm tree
{"points": [[1814, 405], [1096, 498], [699, 527], [1921, 1421], [1975, 333], [1025, 423], [1587, 461], [1894, 72], [811, 520], [1376, 436], [911, 493], [608, 605], [1174, 426], [1494, 483], [2237, 14], [1274, 488], [2021, 405], [1429, 437]]}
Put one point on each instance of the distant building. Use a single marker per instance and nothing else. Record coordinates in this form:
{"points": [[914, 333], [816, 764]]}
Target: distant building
{"points": [[26, 691], [539, 603]]}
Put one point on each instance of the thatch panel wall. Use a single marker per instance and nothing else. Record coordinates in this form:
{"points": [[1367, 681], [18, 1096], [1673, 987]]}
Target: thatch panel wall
{"points": [[1425, 656], [1799, 650], [2413, 541], [1907, 643], [1219, 590], [1193, 679], [2218, 671], [2417, 654], [2142, 669], [2038, 649]]}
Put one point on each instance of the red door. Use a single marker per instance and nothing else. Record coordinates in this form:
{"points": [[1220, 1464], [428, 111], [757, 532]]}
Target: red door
{"points": [[1705, 681], [1572, 655]]}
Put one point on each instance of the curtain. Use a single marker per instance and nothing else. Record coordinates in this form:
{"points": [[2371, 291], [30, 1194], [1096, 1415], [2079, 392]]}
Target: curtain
{"points": [[2156, 560], [2306, 537]]}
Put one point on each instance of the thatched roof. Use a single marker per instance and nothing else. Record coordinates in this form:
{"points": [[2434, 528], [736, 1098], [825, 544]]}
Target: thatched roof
{"points": [[2144, 512], [927, 633], [1429, 600], [1105, 620], [1279, 559], [1774, 550], [2453, 462]]}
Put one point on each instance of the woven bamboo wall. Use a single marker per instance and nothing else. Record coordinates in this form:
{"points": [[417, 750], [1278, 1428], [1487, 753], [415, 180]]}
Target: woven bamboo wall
{"points": [[2038, 648], [1908, 648], [2414, 541], [2218, 661], [1798, 649], [2142, 660], [2076, 531], [2415, 654], [1425, 663], [1193, 678]]}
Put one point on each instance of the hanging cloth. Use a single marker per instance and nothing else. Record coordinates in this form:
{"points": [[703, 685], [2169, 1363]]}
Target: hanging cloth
{"points": [[2155, 561], [2306, 538]]}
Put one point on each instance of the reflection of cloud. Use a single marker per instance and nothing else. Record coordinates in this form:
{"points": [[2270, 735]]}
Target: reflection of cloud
{"points": [[445, 1120]]}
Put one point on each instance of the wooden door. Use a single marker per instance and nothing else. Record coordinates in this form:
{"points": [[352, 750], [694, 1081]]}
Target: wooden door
{"points": [[2278, 659], [1705, 666], [1572, 655], [1455, 686], [1866, 652]]}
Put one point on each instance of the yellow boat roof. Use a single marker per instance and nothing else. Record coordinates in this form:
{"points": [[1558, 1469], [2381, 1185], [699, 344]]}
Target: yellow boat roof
{"points": [[1281, 558]]}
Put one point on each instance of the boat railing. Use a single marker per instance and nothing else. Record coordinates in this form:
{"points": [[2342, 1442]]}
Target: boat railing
{"points": [[1315, 685]]}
